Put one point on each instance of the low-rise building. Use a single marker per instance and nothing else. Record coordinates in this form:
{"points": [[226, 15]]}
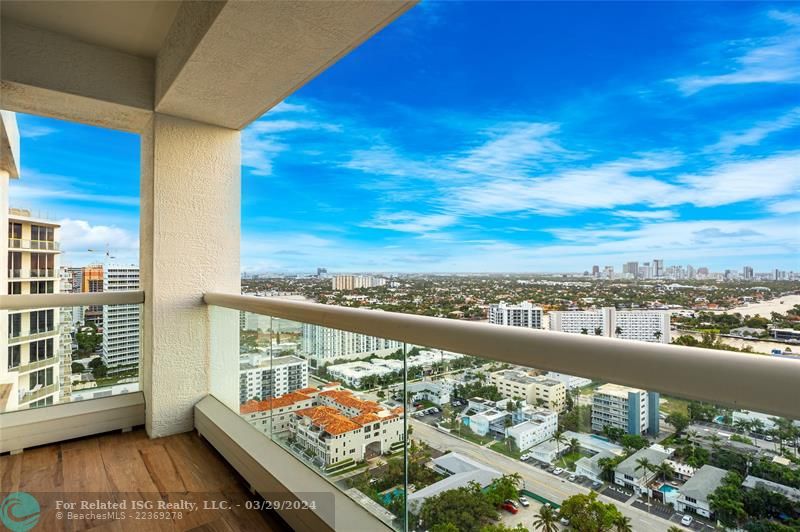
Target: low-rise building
{"points": [[461, 471], [570, 381], [589, 466], [633, 410], [540, 426], [535, 390], [693, 496], [630, 474], [751, 483], [437, 392]]}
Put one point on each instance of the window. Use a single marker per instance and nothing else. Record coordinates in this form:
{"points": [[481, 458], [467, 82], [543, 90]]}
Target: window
{"points": [[41, 350], [42, 264], [13, 356], [41, 287], [41, 321], [14, 325], [14, 230], [42, 377], [14, 262], [691, 500], [39, 232], [14, 289]]}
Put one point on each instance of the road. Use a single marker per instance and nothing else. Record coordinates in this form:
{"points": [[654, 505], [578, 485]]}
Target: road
{"points": [[536, 480]]}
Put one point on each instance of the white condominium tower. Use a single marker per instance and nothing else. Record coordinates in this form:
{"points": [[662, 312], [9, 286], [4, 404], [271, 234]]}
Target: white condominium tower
{"points": [[523, 315], [31, 372], [354, 282], [120, 322], [323, 345], [643, 325]]}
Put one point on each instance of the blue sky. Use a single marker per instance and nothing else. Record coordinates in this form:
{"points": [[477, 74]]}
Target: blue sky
{"points": [[499, 137]]}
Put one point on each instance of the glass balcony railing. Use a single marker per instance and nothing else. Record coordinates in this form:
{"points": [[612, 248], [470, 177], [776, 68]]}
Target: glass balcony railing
{"points": [[436, 438], [36, 273], [39, 245]]}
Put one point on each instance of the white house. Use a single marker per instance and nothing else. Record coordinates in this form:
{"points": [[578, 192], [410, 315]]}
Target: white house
{"points": [[694, 493]]}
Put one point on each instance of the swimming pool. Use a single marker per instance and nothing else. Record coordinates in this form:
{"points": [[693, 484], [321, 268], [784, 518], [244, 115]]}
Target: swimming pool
{"points": [[666, 488], [389, 495], [601, 438]]}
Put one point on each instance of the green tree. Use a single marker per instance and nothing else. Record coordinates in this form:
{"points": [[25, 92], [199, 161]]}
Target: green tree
{"points": [[586, 514], [77, 367], [88, 339], [622, 523], [727, 501], [546, 520], [665, 471], [679, 422]]}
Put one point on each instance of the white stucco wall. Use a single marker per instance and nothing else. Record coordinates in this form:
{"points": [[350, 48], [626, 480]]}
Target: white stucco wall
{"points": [[190, 231]]}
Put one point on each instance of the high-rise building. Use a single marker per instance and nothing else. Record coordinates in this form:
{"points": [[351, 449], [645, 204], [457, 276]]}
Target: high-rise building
{"points": [[525, 314], [631, 268], [608, 272], [121, 322], [658, 268], [747, 273], [323, 345], [31, 370], [595, 271], [262, 377], [354, 282], [643, 325], [92, 281]]}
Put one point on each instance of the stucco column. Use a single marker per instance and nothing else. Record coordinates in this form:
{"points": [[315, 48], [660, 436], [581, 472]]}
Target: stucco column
{"points": [[190, 227]]}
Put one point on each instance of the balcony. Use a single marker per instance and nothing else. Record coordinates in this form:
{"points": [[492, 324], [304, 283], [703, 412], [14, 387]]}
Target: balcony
{"points": [[30, 336], [32, 245], [38, 393], [187, 88]]}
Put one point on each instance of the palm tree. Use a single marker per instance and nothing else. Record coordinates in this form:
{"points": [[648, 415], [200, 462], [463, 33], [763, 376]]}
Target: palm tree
{"points": [[622, 523], [665, 471], [618, 331], [644, 465], [598, 331], [657, 335], [546, 519], [574, 445], [560, 439], [584, 330], [607, 466], [715, 439]]}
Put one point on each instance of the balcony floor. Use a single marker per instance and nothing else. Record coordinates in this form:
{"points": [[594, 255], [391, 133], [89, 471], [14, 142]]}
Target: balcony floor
{"points": [[131, 467]]}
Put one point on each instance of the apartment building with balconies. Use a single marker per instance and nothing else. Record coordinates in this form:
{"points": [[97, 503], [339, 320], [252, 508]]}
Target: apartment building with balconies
{"points": [[533, 389], [32, 367], [633, 410], [121, 325], [263, 376]]}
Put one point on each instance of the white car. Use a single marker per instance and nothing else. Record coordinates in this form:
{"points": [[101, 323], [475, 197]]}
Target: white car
{"points": [[558, 471], [687, 520], [572, 478]]}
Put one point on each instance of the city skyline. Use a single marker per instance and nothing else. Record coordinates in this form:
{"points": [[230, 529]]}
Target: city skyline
{"points": [[510, 162]]}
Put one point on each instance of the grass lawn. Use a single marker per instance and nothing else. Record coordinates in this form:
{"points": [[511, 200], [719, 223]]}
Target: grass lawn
{"points": [[501, 447], [567, 461], [672, 405]]}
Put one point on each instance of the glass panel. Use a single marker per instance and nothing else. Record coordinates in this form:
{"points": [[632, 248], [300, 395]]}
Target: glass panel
{"points": [[332, 399], [533, 438], [68, 354]]}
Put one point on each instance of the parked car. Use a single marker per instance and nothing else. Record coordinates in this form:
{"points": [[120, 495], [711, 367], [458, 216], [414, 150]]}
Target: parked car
{"points": [[507, 506], [558, 471], [768, 438], [572, 478], [523, 500], [564, 521], [687, 520]]}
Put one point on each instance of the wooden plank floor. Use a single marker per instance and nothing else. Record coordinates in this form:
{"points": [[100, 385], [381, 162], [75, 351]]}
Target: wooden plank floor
{"points": [[131, 469]]}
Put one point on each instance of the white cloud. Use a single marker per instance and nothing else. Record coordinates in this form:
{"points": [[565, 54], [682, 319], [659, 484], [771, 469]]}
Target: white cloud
{"points": [[647, 215], [770, 60], [754, 135], [33, 131], [410, 222], [286, 107], [789, 206], [79, 236], [19, 192], [736, 181]]}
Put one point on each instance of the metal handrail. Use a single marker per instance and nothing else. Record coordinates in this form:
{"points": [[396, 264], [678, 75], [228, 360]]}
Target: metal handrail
{"points": [[34, 301], [737, 380]]}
